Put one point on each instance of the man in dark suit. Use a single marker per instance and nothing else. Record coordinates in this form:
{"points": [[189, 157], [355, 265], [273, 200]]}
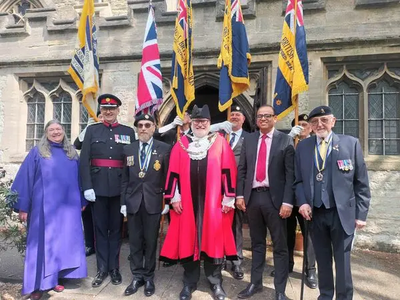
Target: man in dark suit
{"points": [[101, 165], [303, 131], [264, 190], [332, 191], [143, 181], [236, 139]]}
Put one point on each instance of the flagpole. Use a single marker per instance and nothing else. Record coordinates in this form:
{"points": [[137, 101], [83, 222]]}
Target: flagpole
{"points": [[296, 98]]}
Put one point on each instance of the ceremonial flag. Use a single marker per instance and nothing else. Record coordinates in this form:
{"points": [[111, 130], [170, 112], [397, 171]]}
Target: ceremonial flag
{"points": [[182, 90], [149, 92], [234, 57], [84, 68], [292, 75]]}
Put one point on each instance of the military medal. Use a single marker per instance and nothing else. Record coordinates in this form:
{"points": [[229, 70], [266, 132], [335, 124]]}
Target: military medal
{"points": [[319, 177], [157, 165], [141, 174]]}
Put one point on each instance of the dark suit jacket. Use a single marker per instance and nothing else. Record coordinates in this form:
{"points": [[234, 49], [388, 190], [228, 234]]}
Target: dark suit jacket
{"points": [[350, 188], [280, 168], [238, 147], [152, 185]]}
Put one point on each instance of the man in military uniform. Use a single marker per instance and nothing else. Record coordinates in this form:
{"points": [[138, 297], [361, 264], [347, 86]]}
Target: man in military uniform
{"points": [[101, 170], [143, 181]]}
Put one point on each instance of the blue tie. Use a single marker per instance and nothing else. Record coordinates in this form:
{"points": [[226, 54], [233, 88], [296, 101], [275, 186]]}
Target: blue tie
{"points": [[232, 141], [143, 153]]}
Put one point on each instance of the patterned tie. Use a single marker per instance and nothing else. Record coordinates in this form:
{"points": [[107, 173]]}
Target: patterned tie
{"points": [[232, 141], [261, 161], [143, 153]]}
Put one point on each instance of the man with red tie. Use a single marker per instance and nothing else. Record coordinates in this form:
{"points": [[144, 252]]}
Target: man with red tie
{"points": [[264, 191]]}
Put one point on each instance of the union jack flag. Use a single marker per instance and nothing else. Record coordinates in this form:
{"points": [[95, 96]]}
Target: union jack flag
{"points": [[149, 92]]}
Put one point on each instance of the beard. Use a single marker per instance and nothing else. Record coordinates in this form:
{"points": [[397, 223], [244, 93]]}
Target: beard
{"points": [[200, 133]]}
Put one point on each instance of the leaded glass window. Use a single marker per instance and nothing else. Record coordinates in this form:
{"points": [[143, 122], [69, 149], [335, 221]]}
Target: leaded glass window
{"points": [[62, 110], [83, 116], [383, 119], [344, 101], [35, 120]]}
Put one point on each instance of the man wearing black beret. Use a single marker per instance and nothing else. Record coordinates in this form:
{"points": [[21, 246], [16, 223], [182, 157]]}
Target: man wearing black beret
{"points": [[332, 192]]}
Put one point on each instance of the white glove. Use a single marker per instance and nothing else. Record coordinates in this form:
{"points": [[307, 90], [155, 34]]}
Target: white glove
{"points": [[165, 210], [123, 210], [177, 121], [90, 195], [225, 126], [296, 130]]}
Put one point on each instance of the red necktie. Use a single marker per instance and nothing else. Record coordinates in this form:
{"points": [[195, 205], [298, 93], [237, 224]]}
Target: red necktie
{"points": [[261, 161]]}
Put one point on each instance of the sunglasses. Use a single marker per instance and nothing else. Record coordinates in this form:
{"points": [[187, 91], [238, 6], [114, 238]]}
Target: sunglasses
{"points": [[145, 125]]}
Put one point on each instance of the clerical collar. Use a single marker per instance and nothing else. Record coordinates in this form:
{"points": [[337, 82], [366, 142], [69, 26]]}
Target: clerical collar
{"points": [[115, 124]]}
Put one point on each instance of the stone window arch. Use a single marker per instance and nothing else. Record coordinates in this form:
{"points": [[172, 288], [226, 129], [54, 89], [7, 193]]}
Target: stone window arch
{"points": [[344, 99], [384, 115], [36, 104], [62, 106], [18, 8]]}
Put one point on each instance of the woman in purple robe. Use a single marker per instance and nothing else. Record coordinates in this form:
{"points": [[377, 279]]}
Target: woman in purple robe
{"points": [[50, 202]]}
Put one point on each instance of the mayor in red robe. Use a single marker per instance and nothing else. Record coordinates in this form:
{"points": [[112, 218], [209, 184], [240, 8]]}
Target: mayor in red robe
{"points": [[200, 187]]}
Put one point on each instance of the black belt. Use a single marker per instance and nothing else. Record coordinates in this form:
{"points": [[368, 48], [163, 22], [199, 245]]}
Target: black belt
{"points": [[261, 189]]}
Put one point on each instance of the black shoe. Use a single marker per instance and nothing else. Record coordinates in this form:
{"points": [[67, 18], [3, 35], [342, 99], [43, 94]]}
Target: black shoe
{"points": [[237, 272], [224, 265], [89, 251], [311, 279], [149, 288], [186, 293], [272, 274], [249, 291], [133, 287], [99, 278], [115, 277], [218, 291], [280, 296]]}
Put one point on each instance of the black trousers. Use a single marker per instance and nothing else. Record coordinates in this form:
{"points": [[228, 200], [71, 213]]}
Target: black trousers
{"points": [[262, 215], [329, 238], [191, 275], [143, 233], [237, 228], [291, 240], [108, 223], [88, 225]]}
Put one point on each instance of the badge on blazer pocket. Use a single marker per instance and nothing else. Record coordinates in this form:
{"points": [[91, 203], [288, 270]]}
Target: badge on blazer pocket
{"points": [[130, 161], [157, 165]]}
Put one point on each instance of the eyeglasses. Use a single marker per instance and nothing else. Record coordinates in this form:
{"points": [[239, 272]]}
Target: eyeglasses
{"points": [[200, 121], [145, 125], [108, 108], [315, 121], [266, 116]]}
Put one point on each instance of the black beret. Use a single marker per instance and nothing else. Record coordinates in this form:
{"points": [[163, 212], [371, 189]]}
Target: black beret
{"points": [[302, 117], [320, 111], [201, 113], [108, 100], [236, 108], [143, 117]]}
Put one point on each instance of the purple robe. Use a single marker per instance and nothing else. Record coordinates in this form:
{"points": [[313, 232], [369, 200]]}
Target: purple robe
{"points": [[48, 190]]}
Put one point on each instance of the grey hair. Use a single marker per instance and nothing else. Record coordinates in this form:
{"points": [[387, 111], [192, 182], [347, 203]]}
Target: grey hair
{"points": [[44, 144]]}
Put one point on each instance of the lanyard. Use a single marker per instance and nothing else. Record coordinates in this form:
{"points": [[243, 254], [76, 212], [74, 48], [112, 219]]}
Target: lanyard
{"points": [[321, 168]]}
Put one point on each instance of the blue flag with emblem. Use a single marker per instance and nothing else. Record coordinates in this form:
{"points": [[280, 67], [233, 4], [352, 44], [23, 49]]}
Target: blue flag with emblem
{"points": [[182, 90], [292, 74], [234, 57]]}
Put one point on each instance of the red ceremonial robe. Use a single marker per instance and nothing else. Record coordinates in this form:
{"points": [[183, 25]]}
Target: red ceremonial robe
{"points": [[217, 240]]}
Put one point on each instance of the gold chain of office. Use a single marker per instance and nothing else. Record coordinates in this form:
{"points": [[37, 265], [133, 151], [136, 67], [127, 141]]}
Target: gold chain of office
{"points": [[211, 138]]}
